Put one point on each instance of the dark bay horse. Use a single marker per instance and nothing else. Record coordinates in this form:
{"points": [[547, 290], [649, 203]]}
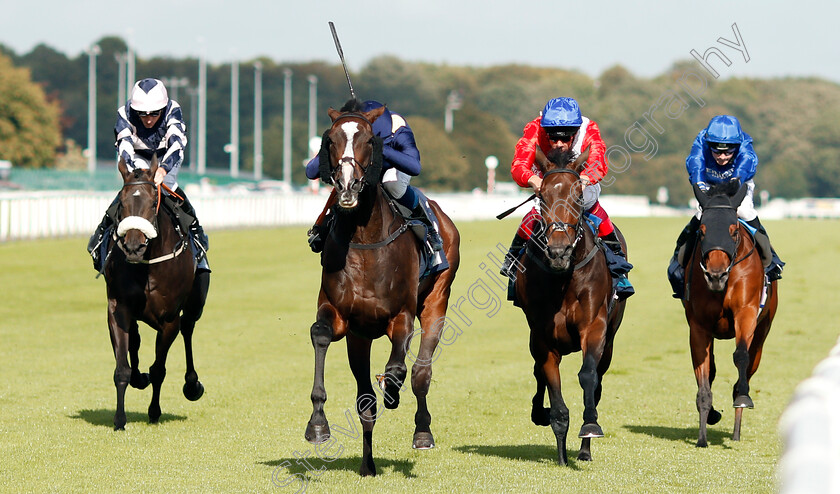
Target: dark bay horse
{"points": [[370, 284], [151, 277], [724, 289], [565, 289]]}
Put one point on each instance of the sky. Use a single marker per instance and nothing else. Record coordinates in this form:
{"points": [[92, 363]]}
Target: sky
{"points": [[767, 38]]}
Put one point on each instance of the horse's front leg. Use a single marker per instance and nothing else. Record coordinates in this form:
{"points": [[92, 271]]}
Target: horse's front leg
{"points": [[167, 333], [702, 344], [358, 353], [559, 414], [590, 383], [139, 380], [745, 325], [540, 415], [119, 331], [321, 333], [432, 323]]}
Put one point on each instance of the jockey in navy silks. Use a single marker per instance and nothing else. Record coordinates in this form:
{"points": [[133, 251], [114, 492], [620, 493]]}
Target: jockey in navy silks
{"points": [[722, 152]]}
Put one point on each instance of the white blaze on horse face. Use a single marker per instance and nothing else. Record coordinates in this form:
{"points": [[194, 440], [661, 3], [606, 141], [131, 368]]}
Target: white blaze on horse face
{"points": [[350, 130]]}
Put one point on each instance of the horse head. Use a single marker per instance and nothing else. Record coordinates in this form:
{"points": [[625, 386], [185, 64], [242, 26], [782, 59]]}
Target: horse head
{"points": [[719, 233], [351, 154], [561, 205], [138, 210]]}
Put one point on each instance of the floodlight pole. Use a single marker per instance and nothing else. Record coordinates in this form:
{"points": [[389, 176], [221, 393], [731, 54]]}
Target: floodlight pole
{"points": [[92, 53]]}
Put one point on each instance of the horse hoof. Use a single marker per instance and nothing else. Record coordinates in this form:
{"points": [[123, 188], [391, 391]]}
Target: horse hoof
{"points": [[139, 380], [367, 470], [743, 401], [317, 434], [714, 417], [540, 416], [701, 444], [584, 456], [193, 391], [591, 430], [154, 415], [423, 440]]}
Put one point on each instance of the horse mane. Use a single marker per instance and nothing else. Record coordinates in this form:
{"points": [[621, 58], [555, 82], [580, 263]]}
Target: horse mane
{"points": [[728, 188], [561, 158], [353, 105]]}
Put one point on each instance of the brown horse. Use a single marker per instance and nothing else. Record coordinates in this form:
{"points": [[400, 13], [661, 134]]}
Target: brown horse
{"points": [[724, 288], [151, 277], [371, 286], [565, 289]]}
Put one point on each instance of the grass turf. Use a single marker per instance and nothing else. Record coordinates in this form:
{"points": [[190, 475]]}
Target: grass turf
{"points": [[254, 356]]}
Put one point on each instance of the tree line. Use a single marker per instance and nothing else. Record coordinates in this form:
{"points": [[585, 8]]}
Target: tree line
{"points": [[648, 124]]}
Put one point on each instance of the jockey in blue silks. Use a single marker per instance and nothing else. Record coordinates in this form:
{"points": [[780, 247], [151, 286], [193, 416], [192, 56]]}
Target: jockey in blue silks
{"points": [[401, 161], [722, 152]]}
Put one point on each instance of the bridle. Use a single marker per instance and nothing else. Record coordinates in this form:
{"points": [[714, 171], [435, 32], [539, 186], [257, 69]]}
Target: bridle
{"points": [[157, 202], [560, 225], [356, 185], [733, 259]]}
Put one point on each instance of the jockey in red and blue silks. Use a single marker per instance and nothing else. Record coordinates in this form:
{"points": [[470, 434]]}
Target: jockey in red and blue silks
{"points": [[722, 152], [561, 125], [400, 162]]}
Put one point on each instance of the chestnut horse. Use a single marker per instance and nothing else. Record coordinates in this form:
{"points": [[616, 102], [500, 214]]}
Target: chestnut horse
{"points": [[565, 290], [725, 298], [151, 277], [370, 284]]}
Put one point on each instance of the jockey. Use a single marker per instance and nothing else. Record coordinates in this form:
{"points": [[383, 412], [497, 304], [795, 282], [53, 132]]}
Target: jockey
{"points": [[723, 152], [151, 123], [401, 161], [561, 126]]}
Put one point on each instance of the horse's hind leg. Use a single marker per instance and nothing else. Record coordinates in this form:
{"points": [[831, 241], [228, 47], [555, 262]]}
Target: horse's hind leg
{"points": [[432, 322], [193, 389], [701, 356], [358, 353], [157, 372], [540, 415], [395, 370], [559, 415], [139, 380]]}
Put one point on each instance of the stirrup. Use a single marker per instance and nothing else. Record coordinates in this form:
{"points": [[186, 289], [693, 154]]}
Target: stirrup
{"points": [[316, 243]]}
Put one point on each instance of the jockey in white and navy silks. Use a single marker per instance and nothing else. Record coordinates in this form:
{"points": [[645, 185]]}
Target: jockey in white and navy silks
{"points": [[720, 153], [400, 162], [168, 137]]}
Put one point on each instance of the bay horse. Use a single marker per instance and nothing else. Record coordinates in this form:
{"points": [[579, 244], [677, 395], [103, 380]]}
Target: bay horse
{"points": [[150, 277], [564, 287], [370, 283], [724, 289]]}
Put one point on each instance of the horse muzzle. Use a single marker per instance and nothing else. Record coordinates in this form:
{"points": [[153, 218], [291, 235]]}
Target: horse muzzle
{"points": [[134, 235], [716, 281], [559, 257]]}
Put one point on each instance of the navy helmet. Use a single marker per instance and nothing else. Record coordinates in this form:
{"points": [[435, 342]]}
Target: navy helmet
{"points": [[723, 133], [382, 125]]}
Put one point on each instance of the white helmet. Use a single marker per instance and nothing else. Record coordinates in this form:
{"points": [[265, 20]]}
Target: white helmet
{"points": [[149, 95]]}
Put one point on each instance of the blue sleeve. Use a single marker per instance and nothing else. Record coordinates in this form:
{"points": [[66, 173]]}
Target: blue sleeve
{"points": [[746, 161], [312, 171], [695, 164], [401, 152]]}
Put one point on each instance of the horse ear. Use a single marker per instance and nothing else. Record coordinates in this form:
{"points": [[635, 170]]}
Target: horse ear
{"points": [[123, 169], [701, 196], [739, 196], [541, 160], [333, 113], [581, 160], [153, 166], [372, 115]]}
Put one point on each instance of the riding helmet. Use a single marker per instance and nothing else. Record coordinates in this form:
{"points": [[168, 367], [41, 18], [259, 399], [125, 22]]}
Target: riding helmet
{"points": [[149, 95]]}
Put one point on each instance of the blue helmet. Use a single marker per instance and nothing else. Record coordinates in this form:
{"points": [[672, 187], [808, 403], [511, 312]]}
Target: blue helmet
{"points": [[561, 112], [723, 132]]}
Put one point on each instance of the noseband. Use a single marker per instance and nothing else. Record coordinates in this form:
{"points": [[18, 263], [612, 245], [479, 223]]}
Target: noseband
{"points": [[560, 225]]}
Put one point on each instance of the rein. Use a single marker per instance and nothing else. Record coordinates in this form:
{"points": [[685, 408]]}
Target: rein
{"points": [[393, 236]]}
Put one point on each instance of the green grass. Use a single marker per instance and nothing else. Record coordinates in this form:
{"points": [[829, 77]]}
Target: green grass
{"points": [[254, 356]]}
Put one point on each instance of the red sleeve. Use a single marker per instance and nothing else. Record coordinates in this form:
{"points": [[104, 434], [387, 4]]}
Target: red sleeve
{"points": [[596, 165], [521, 169]]}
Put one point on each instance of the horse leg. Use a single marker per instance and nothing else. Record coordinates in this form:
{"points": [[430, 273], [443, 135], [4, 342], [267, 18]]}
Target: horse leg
{"points": [[432, 323], [122, 372], [193, 389], [701, 351], [157, 372], [589, 382], [358, 354], [585, 452], [540, 415], [559, 414], [139, 380], [318, 429]]}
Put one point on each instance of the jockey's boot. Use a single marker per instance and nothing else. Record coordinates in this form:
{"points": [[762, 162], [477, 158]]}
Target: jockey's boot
{"points": [[619, 268], [511, 258], [318, 233], [774, 270], [195, 228], [98, 236], [427, 216], [676, 271]]}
